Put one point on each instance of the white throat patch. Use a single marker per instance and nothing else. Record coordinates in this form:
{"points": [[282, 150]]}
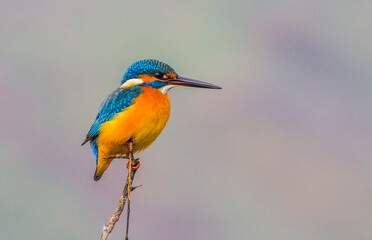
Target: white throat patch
{"points": [[166, 88], [131, 82]]}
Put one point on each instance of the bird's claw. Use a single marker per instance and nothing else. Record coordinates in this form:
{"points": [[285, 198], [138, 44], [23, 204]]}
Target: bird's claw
{"points": [[134, 165]]}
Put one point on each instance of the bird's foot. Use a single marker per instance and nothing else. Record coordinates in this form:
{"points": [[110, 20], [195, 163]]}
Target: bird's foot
{"points": [[136, 164]]}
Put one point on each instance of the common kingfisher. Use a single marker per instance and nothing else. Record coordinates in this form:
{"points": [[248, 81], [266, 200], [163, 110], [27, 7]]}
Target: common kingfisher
{"points": [[138, 110]]}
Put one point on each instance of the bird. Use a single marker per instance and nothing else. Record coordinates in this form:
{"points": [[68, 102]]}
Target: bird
{"points": [[138, 111]]}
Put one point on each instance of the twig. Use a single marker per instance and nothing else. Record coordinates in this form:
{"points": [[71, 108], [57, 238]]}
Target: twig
{"points": [[128, 213], [117, 157], [124, 196], [129, 183]]}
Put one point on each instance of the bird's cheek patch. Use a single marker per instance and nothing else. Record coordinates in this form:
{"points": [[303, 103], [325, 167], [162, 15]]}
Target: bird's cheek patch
{"points": [[146, 78], [172, 75], [131, 83]]}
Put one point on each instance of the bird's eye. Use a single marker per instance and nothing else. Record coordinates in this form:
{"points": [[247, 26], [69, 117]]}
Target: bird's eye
{"points": [[158, 75]]}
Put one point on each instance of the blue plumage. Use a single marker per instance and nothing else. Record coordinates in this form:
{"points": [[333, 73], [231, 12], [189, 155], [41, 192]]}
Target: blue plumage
{"points": [[94, 147], [116, 102], [147, 66]]}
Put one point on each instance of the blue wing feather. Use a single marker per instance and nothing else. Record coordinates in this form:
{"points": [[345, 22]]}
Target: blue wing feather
{"points": [[116, 102], [94, 147]]}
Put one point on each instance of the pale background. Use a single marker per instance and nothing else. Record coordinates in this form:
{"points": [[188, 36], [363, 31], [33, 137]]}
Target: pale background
{"points": [[282, 152]]}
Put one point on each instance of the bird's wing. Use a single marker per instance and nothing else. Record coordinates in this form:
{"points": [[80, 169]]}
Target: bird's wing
{"points": [[116, 102]]}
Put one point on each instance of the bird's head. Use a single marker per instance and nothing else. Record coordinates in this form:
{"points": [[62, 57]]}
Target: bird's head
{"points": [[159, 75]]}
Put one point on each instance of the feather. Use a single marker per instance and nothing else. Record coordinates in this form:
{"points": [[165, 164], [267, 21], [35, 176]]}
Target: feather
{"points": [[115, 103]]}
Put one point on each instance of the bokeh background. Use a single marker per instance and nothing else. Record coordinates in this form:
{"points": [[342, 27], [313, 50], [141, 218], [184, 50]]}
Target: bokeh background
{"points": [[282, 152]]}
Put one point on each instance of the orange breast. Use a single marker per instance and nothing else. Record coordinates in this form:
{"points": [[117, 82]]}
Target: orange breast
{"points": [[143, 121]]}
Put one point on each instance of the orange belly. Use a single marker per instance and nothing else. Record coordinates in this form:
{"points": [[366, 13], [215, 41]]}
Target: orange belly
{"points": [[143, 121]]}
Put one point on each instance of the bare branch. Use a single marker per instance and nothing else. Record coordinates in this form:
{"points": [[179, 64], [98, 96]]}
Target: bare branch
{"points": [[124, 196]]}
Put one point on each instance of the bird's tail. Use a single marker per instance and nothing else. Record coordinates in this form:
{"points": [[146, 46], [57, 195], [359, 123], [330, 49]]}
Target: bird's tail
{"points": [[102, 165]]}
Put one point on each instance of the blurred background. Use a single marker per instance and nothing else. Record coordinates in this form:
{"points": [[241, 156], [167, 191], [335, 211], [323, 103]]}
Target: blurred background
{"points": [[282, 152]]}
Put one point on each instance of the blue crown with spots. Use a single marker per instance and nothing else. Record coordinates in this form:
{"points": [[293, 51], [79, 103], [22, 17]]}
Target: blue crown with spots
{"points": [[147, 66]]}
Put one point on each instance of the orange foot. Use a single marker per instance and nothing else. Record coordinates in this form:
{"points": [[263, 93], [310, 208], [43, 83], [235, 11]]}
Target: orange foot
{"points": [[135, 167]]}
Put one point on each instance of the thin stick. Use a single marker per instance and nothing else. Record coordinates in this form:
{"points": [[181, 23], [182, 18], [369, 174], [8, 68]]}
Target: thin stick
{"points": [[129, 183], [117, 157], [119, 209], [128, 213]]}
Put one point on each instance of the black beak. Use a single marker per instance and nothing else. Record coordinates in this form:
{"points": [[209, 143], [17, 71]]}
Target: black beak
{"points": [[188, 82]]}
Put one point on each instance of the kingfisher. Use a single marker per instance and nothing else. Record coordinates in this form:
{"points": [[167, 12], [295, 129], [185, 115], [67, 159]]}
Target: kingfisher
{"points": [[137, 111]]}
